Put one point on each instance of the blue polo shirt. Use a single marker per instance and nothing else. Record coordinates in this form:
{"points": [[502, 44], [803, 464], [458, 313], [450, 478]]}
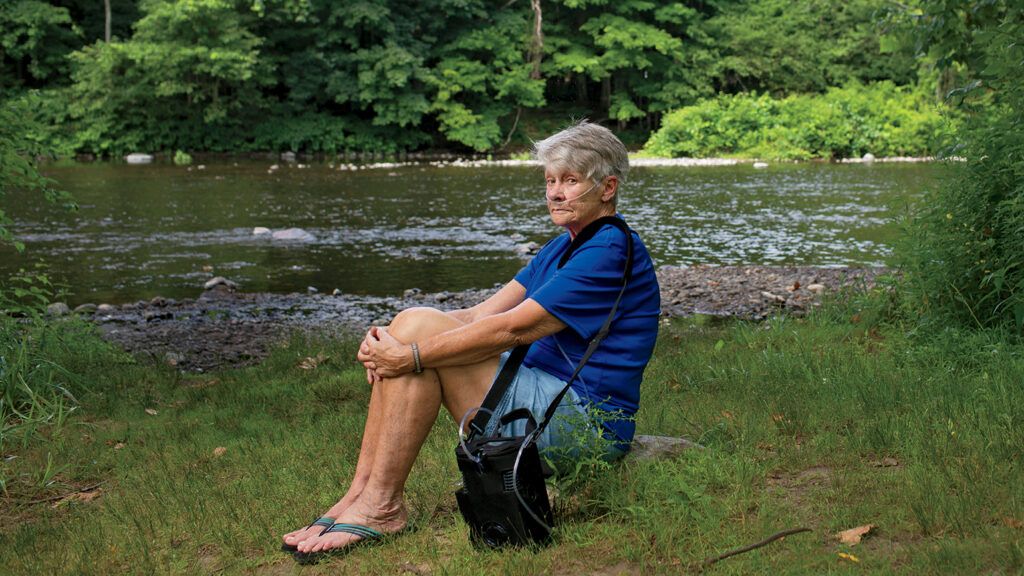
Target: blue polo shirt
{"points": [[581, 294]]}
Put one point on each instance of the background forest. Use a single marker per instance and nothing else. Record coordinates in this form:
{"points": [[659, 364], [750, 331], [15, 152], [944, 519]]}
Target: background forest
{"points": [[390, 75]]}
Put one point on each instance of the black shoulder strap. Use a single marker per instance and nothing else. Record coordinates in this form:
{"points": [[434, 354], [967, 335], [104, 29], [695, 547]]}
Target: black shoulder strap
{"points": [[501, 383]]}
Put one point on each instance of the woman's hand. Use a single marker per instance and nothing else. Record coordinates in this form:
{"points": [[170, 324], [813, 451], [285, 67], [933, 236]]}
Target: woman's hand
{"points": [[384, 356]]}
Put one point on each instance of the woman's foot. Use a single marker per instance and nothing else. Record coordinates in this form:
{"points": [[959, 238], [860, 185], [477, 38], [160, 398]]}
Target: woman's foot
{"points": [[385, 520], [294, 537]]}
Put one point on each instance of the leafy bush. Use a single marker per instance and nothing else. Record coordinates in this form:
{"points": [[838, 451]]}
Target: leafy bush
{"points": [[182, 158], [965, 251], [881, 118]]}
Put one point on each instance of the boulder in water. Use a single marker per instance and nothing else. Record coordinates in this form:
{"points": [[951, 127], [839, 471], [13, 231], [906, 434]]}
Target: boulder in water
{"points": [[261, 231], [294, 234], [219, 281], [528, 249], [138, 158]]}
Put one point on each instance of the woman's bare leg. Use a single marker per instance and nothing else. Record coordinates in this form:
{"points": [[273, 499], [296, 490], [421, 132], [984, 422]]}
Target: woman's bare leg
{"points": [[410, 404], [371, 431]]}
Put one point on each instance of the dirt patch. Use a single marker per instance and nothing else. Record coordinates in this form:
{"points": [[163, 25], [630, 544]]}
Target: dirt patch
{"points": [[222, 328], [795, 487]]}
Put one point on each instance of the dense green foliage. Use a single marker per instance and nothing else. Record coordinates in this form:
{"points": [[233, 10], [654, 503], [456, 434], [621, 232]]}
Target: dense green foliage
{"points": [[965, 255], [388, 75], [17, 163], [882, 119]]}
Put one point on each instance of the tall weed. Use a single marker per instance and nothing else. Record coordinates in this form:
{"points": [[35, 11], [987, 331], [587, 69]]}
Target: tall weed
{"points": [[965, 250]]}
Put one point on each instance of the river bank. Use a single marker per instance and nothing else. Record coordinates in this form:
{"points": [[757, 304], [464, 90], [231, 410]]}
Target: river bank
{"points": [[224, 328], [370, 161]]}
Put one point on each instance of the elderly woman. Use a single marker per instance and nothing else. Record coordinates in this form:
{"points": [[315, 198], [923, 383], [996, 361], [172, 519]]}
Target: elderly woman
{"points": [[427, 358]]}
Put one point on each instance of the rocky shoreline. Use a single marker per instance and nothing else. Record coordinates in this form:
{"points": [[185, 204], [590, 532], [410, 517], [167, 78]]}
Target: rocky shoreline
{"points": [[225, 328]]}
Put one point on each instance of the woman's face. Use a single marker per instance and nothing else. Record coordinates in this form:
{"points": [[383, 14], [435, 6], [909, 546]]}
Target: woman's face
{"points": [[574, 201]]}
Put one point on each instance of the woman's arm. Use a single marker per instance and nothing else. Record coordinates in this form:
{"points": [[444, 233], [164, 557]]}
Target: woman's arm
{"points": [[468, 344], [510, 296]]}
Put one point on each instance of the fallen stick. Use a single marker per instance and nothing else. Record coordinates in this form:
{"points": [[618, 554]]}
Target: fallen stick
{"points": [[62, 496], [712, 559]]}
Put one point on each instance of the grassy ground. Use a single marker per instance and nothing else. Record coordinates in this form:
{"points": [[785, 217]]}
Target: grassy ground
{"points": [[826, 423]]}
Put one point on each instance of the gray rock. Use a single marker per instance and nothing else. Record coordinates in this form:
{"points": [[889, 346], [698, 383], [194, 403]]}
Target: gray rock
{"points": [[760, 165], [58, 309], [412, 293], [293, 234], [261, 231], [288, 156], [816, 288], [138, 158], [868, 157], [158, 301], [173, 358], [336, 292], [85, 309], [154, 315], [311, 290], [660, 447], [219, 281], [528, 249], [106, 308]]}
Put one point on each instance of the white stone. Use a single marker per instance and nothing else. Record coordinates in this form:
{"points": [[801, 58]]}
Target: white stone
{"points": [[528, 249], [816, 288], [138, 158], [294, 234], [261, 231], [760, 165], [868, 157], [219, 281], [288, 156]]}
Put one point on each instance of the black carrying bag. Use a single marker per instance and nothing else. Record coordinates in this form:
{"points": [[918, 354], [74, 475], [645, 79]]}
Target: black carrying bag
{"points": [[503, 497], [493, 469]]}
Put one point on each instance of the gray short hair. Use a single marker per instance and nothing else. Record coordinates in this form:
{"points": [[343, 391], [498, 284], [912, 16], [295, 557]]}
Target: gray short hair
{"points": [[587, 148]]}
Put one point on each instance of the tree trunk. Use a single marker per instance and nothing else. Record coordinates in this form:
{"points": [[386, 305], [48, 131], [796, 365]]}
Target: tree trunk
{"points": [[581, 89], [606, 93], [537, 49], [106, 24]]}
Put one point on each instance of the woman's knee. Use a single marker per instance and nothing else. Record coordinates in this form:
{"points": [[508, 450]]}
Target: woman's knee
{"points": [[420, 322]]}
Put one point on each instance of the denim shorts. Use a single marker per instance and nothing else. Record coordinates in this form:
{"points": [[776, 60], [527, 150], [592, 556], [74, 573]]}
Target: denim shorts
{"points": [[571, 432]]}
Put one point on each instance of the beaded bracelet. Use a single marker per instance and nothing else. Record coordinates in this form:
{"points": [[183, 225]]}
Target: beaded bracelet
{"points": [[418, 367]]}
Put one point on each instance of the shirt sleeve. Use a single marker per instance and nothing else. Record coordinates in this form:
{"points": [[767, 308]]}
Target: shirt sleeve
{"points": [[582, 293], [527, 273]]}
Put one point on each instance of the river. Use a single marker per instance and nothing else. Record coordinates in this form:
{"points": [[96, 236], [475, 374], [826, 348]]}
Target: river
{"points": [[164, 230]]}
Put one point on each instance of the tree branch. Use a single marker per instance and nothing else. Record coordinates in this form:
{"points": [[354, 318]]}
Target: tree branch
{"points": [[712, 559]]}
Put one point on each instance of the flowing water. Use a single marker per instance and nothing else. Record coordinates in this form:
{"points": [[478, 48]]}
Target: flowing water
{"points": [[164, 230]]}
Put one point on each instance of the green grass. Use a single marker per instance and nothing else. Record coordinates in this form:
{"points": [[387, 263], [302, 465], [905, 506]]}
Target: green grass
{"points": [[793, 414]]}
